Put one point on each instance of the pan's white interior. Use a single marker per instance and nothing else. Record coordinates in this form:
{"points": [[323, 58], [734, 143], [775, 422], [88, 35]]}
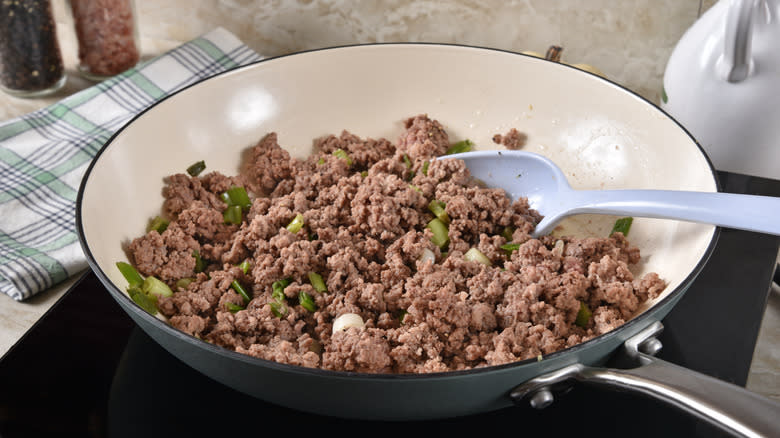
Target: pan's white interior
{"points": [[600, 135]]}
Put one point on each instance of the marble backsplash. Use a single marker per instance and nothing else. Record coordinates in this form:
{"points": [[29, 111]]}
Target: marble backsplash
{"points": [[629, 40]]}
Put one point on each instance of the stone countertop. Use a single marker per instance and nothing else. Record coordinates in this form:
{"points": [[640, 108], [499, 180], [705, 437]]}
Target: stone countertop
{"points": [[629, 41]]}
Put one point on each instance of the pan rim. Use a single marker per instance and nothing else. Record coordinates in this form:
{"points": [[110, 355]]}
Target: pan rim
{"points": [[118, 295]]}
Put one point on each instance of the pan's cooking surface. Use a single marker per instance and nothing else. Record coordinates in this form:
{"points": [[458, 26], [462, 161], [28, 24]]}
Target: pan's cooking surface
{"points": [[77, 373]]}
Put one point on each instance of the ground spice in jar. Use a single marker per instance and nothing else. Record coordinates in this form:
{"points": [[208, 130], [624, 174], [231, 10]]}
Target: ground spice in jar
{"points": [[30, 58], [106, 35]]}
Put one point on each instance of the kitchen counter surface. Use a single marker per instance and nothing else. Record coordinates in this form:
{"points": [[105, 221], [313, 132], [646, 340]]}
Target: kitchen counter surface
{"points": [[629, 41]]}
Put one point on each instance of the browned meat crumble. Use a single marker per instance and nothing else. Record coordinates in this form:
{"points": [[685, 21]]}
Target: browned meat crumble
{"points": [[512, 140], [365, 233]]}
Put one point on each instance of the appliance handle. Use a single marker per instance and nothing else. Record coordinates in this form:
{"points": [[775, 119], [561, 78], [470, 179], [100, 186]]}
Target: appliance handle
{"points": [[735, 64]]}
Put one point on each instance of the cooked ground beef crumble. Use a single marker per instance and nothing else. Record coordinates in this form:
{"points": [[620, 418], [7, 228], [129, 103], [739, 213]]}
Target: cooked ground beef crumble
{"points": [[424, 308]]}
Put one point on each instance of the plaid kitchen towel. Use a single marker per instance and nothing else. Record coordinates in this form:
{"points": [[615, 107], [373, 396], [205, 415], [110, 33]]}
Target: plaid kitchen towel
{"points": [[44, 154]]}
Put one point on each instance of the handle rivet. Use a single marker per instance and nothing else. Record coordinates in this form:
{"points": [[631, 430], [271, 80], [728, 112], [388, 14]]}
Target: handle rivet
{"points": [[541, 399], [650, 346]]}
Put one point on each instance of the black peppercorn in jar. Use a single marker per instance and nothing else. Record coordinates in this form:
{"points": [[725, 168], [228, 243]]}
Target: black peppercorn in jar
{"points": [[107, 36], [30, 57]]}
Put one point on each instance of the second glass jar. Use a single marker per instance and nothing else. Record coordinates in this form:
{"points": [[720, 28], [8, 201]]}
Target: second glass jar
{"points": [[107, 36]]}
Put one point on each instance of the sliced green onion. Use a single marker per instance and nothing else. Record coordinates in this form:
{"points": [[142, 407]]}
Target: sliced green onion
{"points": [[321, 161], [278, 287], [461, 146], [244, 266], [131, 275], [146, 302], [509, 247], [475, 255], [225, 197], [437, 208], [196, 168], [440, 233], [306, 301], [184, 282], [233, 308], [239, 196], [296, 224], [364, 173], [317, 282], [415, 188], [583, 316], [407, 161], [158, 223], [232, 215], [507, 232], [241, 291], [401, 316], [622, 225], [279, 309], [425, 167], [154, 286], [340, 153], [200, 265]]}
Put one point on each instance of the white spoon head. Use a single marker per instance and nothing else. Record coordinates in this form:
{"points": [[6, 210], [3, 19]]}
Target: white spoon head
{"points": [[519, 173]]}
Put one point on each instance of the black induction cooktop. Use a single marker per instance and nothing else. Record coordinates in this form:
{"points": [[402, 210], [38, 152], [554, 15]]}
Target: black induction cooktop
{"points": [[86, 370]]}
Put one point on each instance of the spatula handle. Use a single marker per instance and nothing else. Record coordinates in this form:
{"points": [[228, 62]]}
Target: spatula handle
{"points": [[745, 212]]}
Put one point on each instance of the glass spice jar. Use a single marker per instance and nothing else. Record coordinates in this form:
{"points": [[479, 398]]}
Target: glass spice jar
{"points": [[107, 36], [30, 57]]}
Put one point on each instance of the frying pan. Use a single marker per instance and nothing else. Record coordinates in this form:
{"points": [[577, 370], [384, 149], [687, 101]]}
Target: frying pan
{"points": [[601, 135]]}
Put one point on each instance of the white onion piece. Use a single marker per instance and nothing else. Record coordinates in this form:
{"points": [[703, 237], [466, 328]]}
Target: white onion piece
{"points": [[558, 248], [426, 255], [475, 255], [347, 320]]}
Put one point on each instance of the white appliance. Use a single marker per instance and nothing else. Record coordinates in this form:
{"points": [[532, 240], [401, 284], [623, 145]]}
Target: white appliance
{"points": [[722, 83]]}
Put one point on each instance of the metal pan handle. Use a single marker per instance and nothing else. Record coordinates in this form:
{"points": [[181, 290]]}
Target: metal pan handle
{"points": [[722, 404]]}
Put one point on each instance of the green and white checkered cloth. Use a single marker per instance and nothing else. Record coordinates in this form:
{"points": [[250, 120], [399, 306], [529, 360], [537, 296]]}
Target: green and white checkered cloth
{"points": [[44, 154]]}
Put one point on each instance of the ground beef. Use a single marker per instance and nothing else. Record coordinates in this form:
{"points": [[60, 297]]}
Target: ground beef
{"points": [[513, 139], [365, 203]]}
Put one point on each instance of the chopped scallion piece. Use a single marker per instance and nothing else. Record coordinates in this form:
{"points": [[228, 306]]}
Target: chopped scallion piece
{"points": [[278, 287], [158, 223], [425, 167], [306, 301], [296, 224], [461, 146], [437, 208], [507, 232], [200, 265], [440, 233], [583, 316], [131, 275], [154, 286], [340, 153], [225, 197], [407, 161], [622, 225], [509, 247], [279, 309], [317, 282], [233, 308], [401, 316], [475, 255], [146, 302], [364, 173], [244, 266], [232, 215], [184, 282], [241, 291], [415, 188], [196, 168], [321, 161], [238, 196]]}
